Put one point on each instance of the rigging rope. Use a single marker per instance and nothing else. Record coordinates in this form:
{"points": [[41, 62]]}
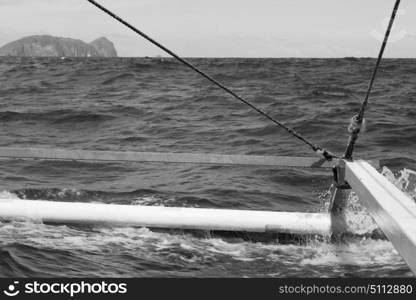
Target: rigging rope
{"points": [[326, 154], [357, 121]]}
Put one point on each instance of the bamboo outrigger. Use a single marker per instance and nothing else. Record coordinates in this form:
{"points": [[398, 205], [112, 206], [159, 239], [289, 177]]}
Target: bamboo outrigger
{"points": [[166, 217], [117, 156]]}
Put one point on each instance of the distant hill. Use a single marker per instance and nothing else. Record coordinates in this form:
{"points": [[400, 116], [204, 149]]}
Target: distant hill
{"points": [[47, 45], [105, 47]]}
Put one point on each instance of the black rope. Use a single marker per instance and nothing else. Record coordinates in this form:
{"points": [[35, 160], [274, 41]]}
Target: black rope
{"points": [[357, 120], [328, 155]]}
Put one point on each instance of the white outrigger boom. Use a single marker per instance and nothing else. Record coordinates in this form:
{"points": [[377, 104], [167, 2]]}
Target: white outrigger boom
{"points": [[166, 217], [394, 212]]}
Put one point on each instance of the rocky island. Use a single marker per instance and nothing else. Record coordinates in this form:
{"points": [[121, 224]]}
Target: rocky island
{"points": [[51, 46]]}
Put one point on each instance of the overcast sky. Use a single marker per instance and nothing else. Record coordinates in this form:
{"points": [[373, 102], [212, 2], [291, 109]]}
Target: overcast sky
{"points": [[222, 28]]}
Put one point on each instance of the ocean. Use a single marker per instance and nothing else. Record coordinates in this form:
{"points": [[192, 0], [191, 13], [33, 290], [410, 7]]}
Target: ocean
{"points": [[157, 104]]}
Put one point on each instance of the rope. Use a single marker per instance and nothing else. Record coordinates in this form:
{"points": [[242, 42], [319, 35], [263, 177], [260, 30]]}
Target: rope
{"points": [[356, 122], [326, 154]]}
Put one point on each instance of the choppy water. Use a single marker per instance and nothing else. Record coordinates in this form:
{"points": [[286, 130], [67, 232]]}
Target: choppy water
{"points": [[158, 105]]}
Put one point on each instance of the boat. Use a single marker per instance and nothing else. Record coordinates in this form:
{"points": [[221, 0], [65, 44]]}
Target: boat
{"points": [[393, 211]]}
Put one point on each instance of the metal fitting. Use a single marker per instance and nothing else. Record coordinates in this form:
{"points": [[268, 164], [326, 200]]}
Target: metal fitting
{"points": [[339, 175]]}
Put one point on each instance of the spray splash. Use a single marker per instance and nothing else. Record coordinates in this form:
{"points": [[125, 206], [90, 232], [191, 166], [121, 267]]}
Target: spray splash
{"points": [[405, 180]]}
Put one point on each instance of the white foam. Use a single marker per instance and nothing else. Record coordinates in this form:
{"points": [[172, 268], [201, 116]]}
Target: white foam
{"points": [[405, 180], [4, 195]]}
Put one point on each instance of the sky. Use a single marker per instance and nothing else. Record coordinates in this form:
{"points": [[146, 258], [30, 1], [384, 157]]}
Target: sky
{"points": [[222, 28]]}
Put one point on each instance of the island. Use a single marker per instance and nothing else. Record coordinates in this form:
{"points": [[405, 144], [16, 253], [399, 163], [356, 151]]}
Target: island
{"points": [[52, 46]]}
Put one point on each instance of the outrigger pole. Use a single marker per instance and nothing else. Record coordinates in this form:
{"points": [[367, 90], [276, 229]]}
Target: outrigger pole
{"points": [[166, 217], [192, 158]]}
